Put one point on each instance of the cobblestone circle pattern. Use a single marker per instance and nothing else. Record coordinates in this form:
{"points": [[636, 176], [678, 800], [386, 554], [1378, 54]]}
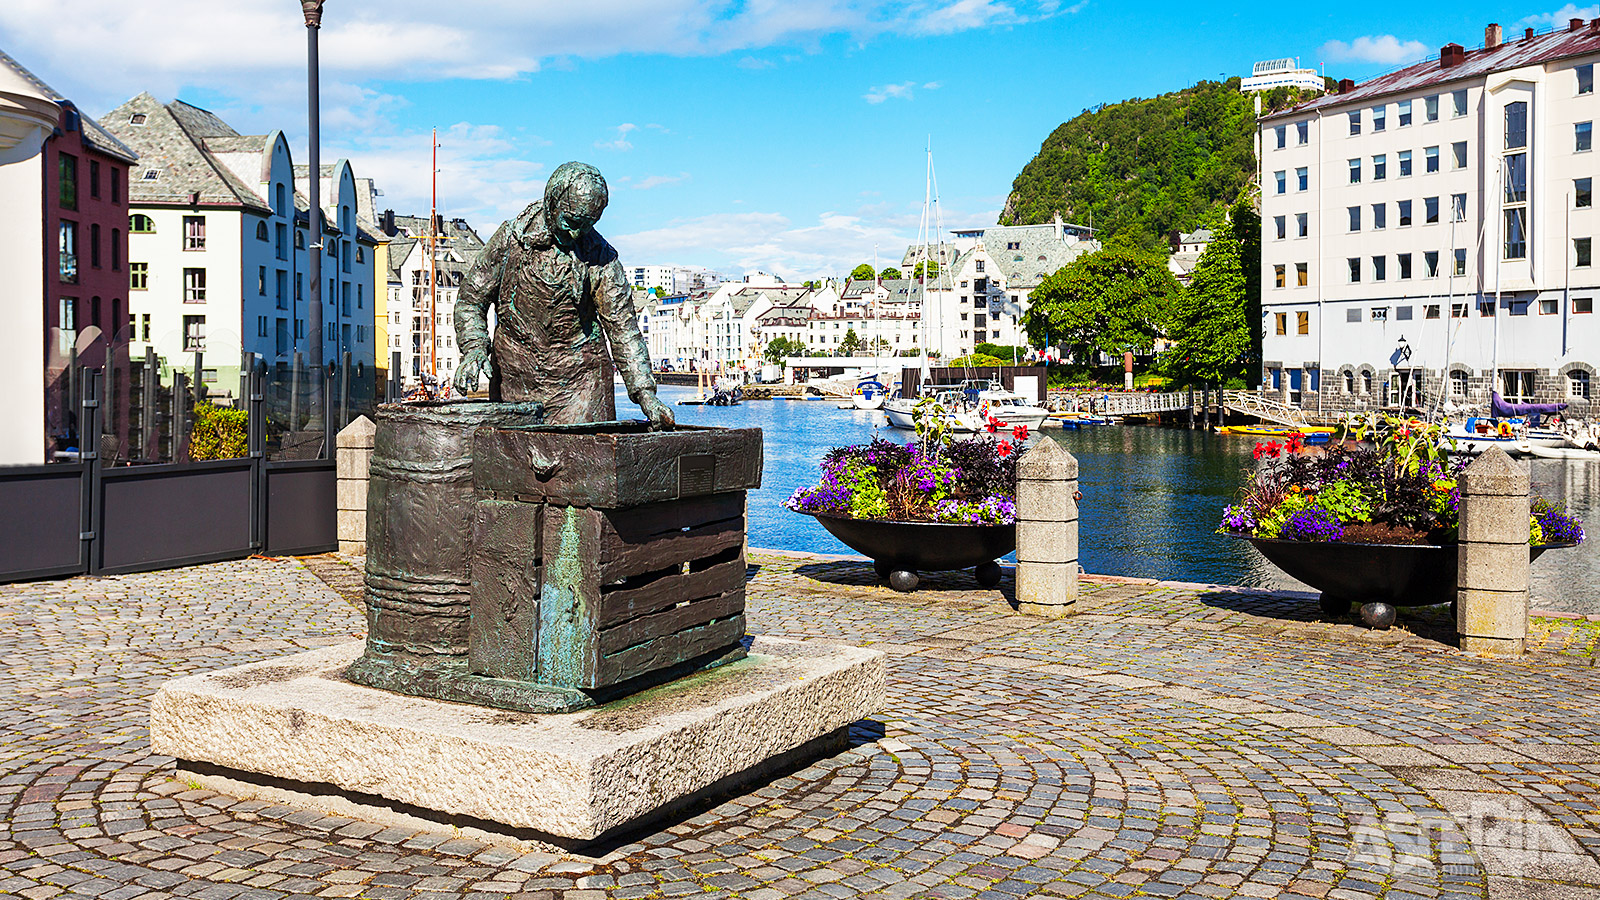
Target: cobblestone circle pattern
{"points": [[1168, 741]]}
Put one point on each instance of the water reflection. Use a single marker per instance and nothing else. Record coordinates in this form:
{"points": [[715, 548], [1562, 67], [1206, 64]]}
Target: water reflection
{"points": [[1151, 496]]}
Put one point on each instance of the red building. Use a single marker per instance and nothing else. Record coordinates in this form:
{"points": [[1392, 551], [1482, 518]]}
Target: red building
{"points": [[85, 270]]}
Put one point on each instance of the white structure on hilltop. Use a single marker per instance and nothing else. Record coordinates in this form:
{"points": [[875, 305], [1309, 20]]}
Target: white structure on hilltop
{"points": [[1276, 73], [1431, 231]]}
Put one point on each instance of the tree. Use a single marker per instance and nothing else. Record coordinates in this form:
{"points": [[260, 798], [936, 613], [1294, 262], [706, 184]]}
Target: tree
{"points": [[889, 272], [851, 345], [932, 266], [1211, 319], [863, 272], [781, 348], [1103, 302]]}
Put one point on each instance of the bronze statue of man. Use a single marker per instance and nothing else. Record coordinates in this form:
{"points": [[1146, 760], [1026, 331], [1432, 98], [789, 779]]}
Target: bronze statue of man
{"points": [[560, 296]]}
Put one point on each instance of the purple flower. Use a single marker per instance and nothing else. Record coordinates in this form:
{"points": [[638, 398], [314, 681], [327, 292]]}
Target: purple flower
{"points": [[1312, 525]]}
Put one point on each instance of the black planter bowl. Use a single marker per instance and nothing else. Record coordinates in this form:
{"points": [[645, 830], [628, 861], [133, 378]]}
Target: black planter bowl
{"points": [[1359, 574], [899, 550]]}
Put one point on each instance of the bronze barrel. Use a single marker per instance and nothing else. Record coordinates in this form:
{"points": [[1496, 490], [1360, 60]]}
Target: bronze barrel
{"points": [[420, 511]]}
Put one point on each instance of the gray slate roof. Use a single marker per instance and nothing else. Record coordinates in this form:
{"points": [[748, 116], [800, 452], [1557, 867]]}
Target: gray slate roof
{"points": [[1037, 253], [179, 156]]}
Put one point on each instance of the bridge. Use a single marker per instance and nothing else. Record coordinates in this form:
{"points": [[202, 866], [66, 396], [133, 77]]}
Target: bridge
{"points": [[1246, 403]]}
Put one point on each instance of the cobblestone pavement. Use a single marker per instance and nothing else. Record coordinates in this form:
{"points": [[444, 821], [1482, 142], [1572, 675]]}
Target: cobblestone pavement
{"points": [[1169, 741]]}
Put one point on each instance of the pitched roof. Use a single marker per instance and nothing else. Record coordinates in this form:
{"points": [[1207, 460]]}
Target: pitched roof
{"points": [[17, 81], [1027, 254], [1474, 64], [182, 163]]}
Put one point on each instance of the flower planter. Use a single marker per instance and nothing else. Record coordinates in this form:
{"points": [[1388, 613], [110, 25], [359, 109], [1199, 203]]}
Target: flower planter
{"points": [[899, 550], [1357, 574]]}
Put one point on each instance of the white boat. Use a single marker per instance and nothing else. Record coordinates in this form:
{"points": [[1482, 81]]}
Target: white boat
{"points": [[1515, 436], [899, 412], [869, 394], [1011, 408], [1563, 453]]}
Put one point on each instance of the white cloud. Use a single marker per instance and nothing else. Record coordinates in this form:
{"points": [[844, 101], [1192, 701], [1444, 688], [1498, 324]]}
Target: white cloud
{"points": [[655, 181], [1386, 49], [621, 144], [1561, 17], [483, 175], [901, 91], [754, 64]]}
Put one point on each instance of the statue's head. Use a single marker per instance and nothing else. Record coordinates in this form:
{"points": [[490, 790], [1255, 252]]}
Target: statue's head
{"points": [[574, 198]]}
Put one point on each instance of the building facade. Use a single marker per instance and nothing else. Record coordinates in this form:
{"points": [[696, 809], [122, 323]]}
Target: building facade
{"points": [[1429, 234]]}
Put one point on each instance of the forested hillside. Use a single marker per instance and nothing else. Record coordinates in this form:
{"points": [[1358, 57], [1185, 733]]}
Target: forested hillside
{"points": [[1143, 168]]}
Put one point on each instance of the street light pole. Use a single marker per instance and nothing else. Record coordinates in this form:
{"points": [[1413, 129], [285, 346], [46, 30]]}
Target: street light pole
{"points": [[313, 14]]}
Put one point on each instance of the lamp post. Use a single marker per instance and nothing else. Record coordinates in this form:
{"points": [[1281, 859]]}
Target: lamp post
{"points": [[313, 13]]}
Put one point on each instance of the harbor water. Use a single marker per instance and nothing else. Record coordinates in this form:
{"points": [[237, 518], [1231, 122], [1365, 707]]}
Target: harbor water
{"points": [[1151, 496]]}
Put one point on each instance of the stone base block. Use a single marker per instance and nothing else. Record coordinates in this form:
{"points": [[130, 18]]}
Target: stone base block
{"points": [[353, 548], [566, 780], [1046, 588], [1488, 646]]}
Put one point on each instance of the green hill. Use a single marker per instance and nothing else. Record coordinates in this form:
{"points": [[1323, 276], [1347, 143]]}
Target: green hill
{"points": [[1142, 168]]}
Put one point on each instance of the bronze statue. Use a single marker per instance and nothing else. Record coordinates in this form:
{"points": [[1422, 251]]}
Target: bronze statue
{"points": [[560, 295]]}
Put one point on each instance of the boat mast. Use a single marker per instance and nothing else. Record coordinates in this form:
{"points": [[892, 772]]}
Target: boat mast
{"points": [[433, 263]]}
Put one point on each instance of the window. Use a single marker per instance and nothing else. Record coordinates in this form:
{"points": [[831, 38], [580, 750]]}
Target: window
{"points": [[1282, 321], [1282, 180], [1582, 192], [94, 245], [1403, 313], [1355, 171], [261, 326], [144, 327], [1281, 223], [1516, 232], [1516, 385], [1431, 155], [1380, 314], [94, 178], [1404, 209], [1404, 109], [1461, 261], [1302, 272], [1458, 155], [261, 280], [1348, 382], [361, 255], [261, 231], [1302, 322], [1458, 207], [194, 285], [1405, 163], [1354, 265], [1302, 177], [1431, 311], [1458, 384], [1380, 268], [139, 223], [1282, 134], [1366, 382], [1404, 261], [1378, 117], [1355, 121], [1380, 167], [194, 232], [1302, 224], [1582, 305], [1548, 306], [1585, 75], [299, 239], [1355, 217], [1458, 310], [1516, 117], [67, 245], [1582, 252], [138, 276], [67, 176], [1302, 130], [1583, 137], [1430, 262], [1430, 211], [1352, 315], [1280, 276], [116, 185], [1458, 103], [1380, 216], [1578, 385], [151, 174], [194, 333], [1430, 106]]}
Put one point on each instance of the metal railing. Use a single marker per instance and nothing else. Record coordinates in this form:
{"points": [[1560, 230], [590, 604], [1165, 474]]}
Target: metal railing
{"points": [[1252, 403]]}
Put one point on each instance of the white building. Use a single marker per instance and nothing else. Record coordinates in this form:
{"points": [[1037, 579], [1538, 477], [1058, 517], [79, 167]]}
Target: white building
{"points": [[674, 279], [1433, 229], [410, 283], [1276, 73], [217, 245]]}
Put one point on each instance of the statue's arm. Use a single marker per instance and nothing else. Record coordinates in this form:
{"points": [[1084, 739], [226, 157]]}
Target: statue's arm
{"points": [[629, 352], [479, 290]]}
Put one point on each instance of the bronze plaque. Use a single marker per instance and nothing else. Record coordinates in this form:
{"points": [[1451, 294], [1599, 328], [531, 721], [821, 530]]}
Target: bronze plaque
{"points": [[696, 475]]}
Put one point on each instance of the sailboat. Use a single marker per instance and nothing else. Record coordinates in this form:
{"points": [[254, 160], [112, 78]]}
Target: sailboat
{"points": [[899, 411]]}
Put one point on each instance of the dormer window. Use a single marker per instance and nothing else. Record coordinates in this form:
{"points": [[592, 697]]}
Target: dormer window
{"points": [[152, 174], [137, 119]]}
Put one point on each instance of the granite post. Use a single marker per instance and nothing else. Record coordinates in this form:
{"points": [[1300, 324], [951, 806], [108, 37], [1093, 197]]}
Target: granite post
{"points": [[1047, 530], [1492, 570], [352, 463]]}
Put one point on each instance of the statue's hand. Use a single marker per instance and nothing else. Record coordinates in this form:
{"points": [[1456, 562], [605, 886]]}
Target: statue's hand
{"points": [[474, 364], [657, 412]]}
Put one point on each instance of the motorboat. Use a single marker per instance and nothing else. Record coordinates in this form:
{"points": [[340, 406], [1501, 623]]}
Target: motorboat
{"points": [[1007, 407], [869, 394]]}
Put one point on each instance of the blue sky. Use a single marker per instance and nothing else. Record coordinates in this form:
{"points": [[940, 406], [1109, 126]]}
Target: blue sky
{"points": [[774, 135]]}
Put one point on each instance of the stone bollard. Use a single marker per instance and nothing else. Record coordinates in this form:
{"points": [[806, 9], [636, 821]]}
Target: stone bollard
{"points": [[1492, 571], [352, 461], [1047, 530]]}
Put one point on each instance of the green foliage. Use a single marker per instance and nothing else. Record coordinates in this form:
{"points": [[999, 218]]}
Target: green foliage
{"points": [[979, 360], [1211, 320], [219, 433], [863, 272], [1002, 351], [851, 344], [932, 265], [781, 348], [1108, 302], [889, 272], [1145, 168]]}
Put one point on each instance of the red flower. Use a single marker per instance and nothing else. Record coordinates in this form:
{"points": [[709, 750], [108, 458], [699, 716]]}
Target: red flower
{"points": [[1020, 432], [1295, 442], [992, 425], [1260, 448], [1274, 449], [1004, 448]]}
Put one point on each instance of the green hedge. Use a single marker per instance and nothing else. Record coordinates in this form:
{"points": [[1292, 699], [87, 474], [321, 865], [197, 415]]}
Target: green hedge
{"points": [[219, 433]]}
